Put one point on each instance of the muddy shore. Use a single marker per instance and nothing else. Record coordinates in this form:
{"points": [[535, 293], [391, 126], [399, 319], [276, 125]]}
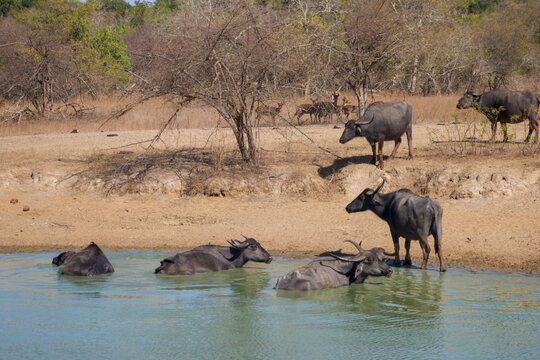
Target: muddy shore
{"points": [[295, 207]]}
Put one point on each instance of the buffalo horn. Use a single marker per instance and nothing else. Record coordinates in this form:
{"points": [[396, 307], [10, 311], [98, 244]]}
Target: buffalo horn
{"points": [[379, 187], [365, 122], [389, 253], [238, 245], [245, 237], [356, 258], [358, 246]]}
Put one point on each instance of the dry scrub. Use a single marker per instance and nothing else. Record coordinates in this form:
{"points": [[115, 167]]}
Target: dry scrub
{"points": [[196, 172]]}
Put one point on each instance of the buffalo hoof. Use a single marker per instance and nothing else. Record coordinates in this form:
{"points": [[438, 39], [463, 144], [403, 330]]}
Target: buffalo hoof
{"points": [[397, 263], [442, 269], [380, 167], [407, 263]]}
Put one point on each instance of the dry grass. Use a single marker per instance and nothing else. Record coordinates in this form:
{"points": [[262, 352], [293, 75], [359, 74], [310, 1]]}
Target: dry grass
{"points": [[151, 114], [464, 132]]}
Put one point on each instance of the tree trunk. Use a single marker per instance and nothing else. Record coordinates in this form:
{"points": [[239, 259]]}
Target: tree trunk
{"points": [[414, 77], [361, 93]]}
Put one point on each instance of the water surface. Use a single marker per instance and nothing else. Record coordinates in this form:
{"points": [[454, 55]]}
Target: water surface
{"points": [[236, 314]]}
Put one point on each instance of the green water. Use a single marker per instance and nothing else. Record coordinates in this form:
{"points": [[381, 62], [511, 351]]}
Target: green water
{"points": [[235, 314]]}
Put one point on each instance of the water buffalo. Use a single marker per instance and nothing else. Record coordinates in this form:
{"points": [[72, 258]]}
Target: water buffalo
{"points": [[208, 258], [408, 215], [90, 261], [343, 270], [505, 107], [382, 122]]}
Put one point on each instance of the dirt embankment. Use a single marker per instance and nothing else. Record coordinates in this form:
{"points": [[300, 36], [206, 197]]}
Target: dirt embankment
{"points": [[294, 203]]}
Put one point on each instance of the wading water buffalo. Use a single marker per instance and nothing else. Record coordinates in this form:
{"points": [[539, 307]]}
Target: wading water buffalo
{"points": [[505, 107], [343, 270], [90, 261], [382, 122], [208, 258], [408, 215]]}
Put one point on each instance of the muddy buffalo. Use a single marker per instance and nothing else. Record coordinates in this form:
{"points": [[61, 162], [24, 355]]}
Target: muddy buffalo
{"points": [[505, 107], [209, 258], [342, 270], [90, 261]]}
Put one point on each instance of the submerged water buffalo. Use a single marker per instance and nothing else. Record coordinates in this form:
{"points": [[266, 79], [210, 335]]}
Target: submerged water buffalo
{"points": [[382, 121], [90, 261], [343, 270], [505, 107], [408, 215], [208, 258]]}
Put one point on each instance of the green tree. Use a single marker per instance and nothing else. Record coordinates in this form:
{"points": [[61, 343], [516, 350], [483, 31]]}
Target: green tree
{"points": [[52, 53]]}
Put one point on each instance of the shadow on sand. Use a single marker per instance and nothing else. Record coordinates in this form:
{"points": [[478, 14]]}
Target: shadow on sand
{"points": [[338, 164]]}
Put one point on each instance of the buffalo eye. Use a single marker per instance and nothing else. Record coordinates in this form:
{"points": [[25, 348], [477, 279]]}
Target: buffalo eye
{"points": [[252, 247]]}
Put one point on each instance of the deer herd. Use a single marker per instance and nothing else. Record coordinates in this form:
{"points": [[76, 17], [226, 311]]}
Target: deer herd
{"points": [[321, 111]]}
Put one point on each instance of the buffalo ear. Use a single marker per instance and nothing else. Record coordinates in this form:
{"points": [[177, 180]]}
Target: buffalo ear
{"points": [[358, 270]]}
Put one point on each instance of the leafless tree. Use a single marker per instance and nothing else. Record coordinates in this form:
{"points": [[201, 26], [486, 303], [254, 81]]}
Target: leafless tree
{"points": [[372, 34], [224, 54]]}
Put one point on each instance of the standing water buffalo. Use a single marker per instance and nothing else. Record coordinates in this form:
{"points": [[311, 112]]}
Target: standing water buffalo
{"points": [[505, 107], [382, 122], [90, 261], [408, 215], [343, 270], [208, 258]]}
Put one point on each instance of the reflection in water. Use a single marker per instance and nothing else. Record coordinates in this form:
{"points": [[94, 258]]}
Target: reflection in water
{"points": [[134, 313]]}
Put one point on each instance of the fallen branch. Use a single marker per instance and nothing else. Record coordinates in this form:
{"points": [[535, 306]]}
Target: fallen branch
{"points": [[17, 114]]}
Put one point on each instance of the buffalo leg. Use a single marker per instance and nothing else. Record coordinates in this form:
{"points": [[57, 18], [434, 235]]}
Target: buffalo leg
{"points": [[409, 141], [505, 132], [407, 261], [395, 239], [493, 130], [396, 146], [533, 125], [437, 237], [374, 150], [381, 162], [425, 252]]}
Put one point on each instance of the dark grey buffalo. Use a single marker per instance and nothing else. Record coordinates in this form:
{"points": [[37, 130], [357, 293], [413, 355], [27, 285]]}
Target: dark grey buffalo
{"points": [[90, 261], [408, 215], [505, 107], [343, 270], [208, 258], [382, 122]]}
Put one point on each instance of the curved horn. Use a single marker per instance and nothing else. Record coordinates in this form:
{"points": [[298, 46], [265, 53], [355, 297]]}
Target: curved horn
{"points": [[365, 116], [356, 258], [379, 187], [357, 246], [389, 254], [245, 237], [238, 245]]}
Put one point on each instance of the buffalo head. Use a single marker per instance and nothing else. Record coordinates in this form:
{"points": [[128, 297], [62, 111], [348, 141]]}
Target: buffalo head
{"points": [[365, 201], [62, 257], [368, 262], [350, 132], [468, 100], [252, 250]]}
